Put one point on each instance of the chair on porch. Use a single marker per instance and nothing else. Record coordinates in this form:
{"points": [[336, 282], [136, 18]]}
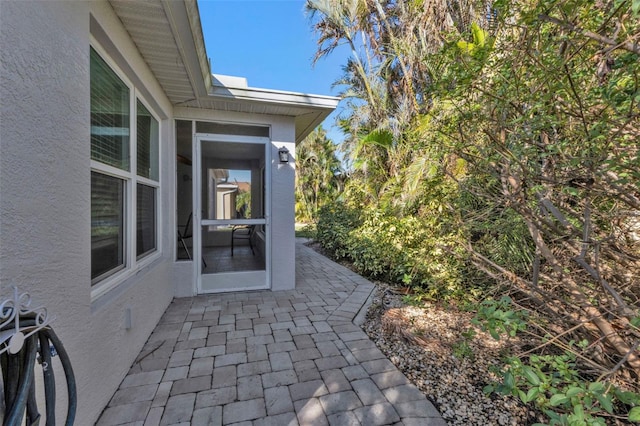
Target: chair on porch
{"points": [[242, 232], [186, 234]]}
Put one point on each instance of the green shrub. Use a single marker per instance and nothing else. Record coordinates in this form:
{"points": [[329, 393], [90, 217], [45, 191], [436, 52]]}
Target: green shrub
{"points": [[335, 222], [405, 250], [553, 384], [498, 316], [411, 250]]}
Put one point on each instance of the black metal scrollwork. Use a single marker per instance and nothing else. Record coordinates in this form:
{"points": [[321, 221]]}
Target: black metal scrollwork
{"points": [[26, 337]]}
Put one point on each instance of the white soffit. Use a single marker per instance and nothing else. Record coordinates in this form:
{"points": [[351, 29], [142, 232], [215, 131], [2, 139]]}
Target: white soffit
{"points": [[163, 31]]}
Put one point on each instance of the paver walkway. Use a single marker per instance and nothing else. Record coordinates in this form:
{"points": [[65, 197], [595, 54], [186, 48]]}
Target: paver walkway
{"points": [[269, 358]]}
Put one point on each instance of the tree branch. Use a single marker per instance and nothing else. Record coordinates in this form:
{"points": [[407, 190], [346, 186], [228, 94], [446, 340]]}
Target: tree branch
{"points": [[633, 47]]}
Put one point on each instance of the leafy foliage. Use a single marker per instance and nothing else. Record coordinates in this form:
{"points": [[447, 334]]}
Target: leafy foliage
{"points": [[498, 316], [318, 177], [498, 152], [335, 223], [553, 383], [400, 250], [243, 204]]}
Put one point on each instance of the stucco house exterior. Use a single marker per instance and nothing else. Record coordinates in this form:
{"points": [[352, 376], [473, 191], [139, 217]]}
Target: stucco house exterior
{"points": [[114, 136]]}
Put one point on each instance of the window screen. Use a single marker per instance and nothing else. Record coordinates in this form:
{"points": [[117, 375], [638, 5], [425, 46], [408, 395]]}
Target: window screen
{"points": [[109, 115], [231, 129], [107, 225], [147, 130], [146, 220]]}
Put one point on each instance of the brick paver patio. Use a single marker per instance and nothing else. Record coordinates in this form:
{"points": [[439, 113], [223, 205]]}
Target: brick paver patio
{"points": [[269, 358]]}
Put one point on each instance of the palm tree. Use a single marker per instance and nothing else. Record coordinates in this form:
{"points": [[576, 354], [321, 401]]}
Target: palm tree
{"points": [[390, 42], [387, 78], [318, 174]]}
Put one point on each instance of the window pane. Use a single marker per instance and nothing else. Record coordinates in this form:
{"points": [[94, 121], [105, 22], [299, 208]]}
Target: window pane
{"points": [[146, 220], [228, 195], [231, 129], [147, 129], [107, 225], [109, 115], [184, 182]]}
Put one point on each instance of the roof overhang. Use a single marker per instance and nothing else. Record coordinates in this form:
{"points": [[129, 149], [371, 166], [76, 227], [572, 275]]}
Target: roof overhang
{"points": [[169, 36], [233, 94]]}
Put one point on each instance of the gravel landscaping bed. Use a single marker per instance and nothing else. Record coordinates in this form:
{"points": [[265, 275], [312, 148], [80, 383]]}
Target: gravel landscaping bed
{"points": [[427, 343]]}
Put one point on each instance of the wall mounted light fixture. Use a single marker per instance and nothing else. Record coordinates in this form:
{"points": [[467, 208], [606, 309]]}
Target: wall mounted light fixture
{"points": [[283, 154]]}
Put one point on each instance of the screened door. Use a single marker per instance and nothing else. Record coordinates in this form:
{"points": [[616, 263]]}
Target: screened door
{"points": [[232, 228]]}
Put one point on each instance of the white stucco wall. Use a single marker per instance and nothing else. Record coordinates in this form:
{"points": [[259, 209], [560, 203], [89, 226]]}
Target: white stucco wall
{"points": [[283, 263], [45, 192]]}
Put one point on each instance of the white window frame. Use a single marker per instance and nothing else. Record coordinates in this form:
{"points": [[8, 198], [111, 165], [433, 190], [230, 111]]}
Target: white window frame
{"points": [[146, 181], [132, 265]]}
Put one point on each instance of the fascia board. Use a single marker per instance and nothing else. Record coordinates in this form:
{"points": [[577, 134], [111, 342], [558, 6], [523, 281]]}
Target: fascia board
{"points": [[276, 97], [313, 109], [193, 12], [194, 59]]}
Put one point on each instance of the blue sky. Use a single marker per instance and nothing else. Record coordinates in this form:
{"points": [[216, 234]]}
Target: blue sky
{"points": [[272, 44]]}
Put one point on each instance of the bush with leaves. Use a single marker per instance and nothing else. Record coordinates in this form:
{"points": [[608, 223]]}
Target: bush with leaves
{"points": [[554, 385], [549, 117], [410, 251], [553, 382], [335, 223]]}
